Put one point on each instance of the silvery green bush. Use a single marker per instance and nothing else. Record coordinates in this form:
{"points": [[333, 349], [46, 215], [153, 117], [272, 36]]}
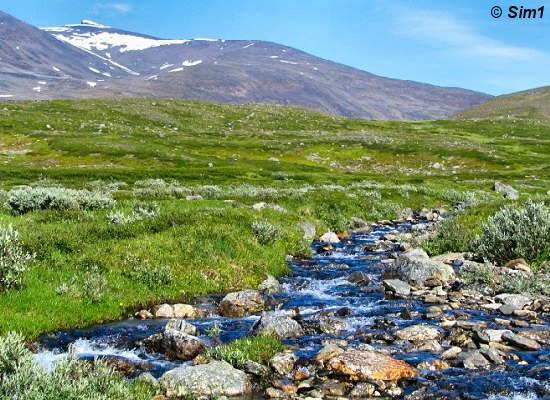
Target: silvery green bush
{"points": [[70, 379], [159, 188], [515, 233], [28, 198], [14, 260], [265, 232], [140, 212]]}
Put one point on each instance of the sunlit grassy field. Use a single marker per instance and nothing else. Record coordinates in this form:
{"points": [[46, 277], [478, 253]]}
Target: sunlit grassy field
{"points": [[319, 168]]}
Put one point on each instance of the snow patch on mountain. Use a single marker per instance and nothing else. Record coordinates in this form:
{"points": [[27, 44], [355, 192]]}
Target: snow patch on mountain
{"points": [[190, 63], [107, 40]]}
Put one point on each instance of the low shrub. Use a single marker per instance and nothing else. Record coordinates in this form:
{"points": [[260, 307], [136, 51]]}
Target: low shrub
{"points": [[70, 379], [265, 232], [28, 198], [159, 188], [140, 212], [14, 259], [94, 285], [450, 236], [516, 233]]}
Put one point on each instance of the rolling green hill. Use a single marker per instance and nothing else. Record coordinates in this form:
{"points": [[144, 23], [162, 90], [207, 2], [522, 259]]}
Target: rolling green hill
{"points": [[530, 105], [95, 261]]}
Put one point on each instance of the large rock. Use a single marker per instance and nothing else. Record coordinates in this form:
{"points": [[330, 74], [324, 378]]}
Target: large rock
{"points": [[520, 341], [181, 346], [243, 303], [164, 311], [516, 300], [419, 333], [370, 365], [329, 237], [509, 191], [212, 380], [279, 325], [415, 267], [397, 286], [270, 285]]}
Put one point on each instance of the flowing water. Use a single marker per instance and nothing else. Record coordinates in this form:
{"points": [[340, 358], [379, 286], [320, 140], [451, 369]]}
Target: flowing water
{"points": [[319, 286]]}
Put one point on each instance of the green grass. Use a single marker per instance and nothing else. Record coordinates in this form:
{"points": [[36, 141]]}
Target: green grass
{"points": [[259, 349], [329, 170]]}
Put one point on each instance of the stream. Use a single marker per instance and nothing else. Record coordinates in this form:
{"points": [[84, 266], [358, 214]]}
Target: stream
{"points": [[320, 286]]}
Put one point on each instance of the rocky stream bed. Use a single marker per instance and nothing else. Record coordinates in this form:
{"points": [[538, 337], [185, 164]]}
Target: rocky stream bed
{"points": [[366, 316]]}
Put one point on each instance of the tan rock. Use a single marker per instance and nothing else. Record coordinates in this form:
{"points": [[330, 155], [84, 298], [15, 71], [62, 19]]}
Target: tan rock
{"points": [[184, 311], [144, 314], [164, 311], [370, 365]]}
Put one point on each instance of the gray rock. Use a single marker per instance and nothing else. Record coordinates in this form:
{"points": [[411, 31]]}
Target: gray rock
{"points": [[397, 286], [507, 309], [451, 353], [308, 229], [283, 363], [415, 267], [281, 325], [212, 380], [181, 346], [181, 325], [520, 341], [509, 191], [517, 300], [419, 333], [475, 360], [333, 326], [359, 278], [270, 286], [243, 303]]}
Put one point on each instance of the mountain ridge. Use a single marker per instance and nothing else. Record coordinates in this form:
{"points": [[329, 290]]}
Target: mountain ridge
{"points": [[120, 63]]}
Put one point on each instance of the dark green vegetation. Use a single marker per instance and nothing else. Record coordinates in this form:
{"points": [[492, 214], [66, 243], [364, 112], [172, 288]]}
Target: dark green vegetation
{"points": [[259, 349], [98, 264], [533, 105]]}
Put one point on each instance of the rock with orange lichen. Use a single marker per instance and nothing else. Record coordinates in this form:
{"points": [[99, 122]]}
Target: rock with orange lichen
{"points": [[370, 365]]}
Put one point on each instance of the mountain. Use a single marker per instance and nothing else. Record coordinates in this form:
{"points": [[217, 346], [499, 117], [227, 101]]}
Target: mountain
{"points": [[33, 64], [99, 61], [531, 104]]}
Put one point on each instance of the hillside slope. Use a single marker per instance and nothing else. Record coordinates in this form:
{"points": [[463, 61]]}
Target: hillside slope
{"points": [[531, 104]]}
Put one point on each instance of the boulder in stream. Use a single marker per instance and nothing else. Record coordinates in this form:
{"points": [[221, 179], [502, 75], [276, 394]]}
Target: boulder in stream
{"points": [[241, 304], [415, 267], [360, 365], [212, 380]]}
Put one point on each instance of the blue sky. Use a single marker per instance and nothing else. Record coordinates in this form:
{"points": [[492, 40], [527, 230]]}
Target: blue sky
{"points": [[448, 43]]}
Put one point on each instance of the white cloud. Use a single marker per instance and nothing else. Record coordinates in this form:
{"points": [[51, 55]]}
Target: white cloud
{"points": [[118, 8], [463, 39]]}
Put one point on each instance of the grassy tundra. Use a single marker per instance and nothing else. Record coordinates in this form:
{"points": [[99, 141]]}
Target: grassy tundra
{"points": [[104, 214]]}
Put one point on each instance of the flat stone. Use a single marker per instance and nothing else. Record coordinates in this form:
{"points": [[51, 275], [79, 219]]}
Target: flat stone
{"points": [[516, 300], [495, 335], [475, 360], [397, 286], [419, 333], [520, 341], [370, 365], [451, 353]]}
